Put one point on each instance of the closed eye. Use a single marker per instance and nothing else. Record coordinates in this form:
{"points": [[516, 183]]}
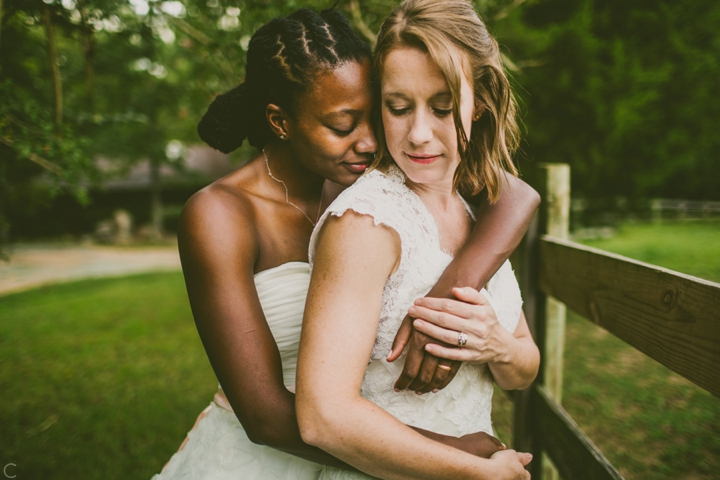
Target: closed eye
{"points": [[398, 111], [342, 131]]}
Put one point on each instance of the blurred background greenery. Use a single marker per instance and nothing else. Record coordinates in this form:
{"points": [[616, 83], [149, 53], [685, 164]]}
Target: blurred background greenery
{"points": [[94, 90]]}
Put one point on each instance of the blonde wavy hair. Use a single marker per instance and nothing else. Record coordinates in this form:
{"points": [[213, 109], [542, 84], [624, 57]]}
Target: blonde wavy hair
{"points": [[451, 32]]}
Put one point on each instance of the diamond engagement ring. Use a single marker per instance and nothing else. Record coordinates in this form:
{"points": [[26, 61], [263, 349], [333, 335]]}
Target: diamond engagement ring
{"points": [[462, 338]]}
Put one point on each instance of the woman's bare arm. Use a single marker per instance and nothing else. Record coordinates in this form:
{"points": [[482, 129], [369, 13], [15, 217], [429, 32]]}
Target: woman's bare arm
{"points": [[354, 259], [497, 232], [218, 250]]}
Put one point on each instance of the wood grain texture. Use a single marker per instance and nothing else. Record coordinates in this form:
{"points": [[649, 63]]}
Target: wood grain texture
{"points": [[672, 317], [572, 452]]}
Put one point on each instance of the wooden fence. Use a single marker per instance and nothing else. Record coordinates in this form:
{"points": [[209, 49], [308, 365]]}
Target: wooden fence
{"points": [[683, 209], [672, 317]]}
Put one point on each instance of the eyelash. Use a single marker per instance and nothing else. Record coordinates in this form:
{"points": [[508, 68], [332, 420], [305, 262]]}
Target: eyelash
{"points": [[402, 111], [398, 112], [342, 133]]}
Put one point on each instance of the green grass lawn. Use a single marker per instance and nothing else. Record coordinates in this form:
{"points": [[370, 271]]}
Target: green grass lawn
{"points": [[103, 378], [99, 379], [650, 422], [691, 247]]}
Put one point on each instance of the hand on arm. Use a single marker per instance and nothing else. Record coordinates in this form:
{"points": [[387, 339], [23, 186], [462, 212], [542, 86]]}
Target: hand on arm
{"points": [[354, 259], [218, 252], [497, 232], [513, 358]]}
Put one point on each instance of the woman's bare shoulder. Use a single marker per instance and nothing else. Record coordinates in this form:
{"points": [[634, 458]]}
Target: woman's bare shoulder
{"points": [[220, 217], [227, 202]]}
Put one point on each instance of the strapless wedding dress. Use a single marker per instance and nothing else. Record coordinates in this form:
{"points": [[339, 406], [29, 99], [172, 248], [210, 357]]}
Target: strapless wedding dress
{"points": [[465, 405], [218, 448]]}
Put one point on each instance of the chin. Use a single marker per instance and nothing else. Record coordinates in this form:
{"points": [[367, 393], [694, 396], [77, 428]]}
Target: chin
{"points": [[424, 176]]}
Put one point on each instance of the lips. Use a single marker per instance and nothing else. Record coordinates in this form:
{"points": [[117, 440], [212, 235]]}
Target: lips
{"points": [[357, 167], [422, 159]]}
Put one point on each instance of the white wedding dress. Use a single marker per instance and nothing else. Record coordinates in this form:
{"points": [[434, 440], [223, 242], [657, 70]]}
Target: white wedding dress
{"points": [[465, 405], [218, 448]]}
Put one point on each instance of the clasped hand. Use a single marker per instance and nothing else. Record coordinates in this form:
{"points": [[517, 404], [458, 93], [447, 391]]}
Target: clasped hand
{"points": [[431, 331]]}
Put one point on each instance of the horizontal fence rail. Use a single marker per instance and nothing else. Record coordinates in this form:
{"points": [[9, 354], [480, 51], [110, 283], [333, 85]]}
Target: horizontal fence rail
{"points": [[572, 452], [671, 317]]}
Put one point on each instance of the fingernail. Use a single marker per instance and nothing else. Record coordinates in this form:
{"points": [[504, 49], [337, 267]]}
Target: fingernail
{"points": [[418, 393], [436, 390], [418, 323], [396, 389]]}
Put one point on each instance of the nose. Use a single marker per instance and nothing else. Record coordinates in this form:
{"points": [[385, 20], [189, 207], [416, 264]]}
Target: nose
{"points": [[420, 128], [366, 142]]}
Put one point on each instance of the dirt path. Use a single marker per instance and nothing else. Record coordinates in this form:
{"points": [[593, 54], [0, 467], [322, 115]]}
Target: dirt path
{"points": [[34, 265]]}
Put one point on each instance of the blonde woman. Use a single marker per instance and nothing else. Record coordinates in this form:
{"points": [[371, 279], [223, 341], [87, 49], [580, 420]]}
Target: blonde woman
{"points": [[448, 119]]}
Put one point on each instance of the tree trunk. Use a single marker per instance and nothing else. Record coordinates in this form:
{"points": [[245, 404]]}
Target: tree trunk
{"points": [[1, 16], [156, 208], [88, 47], [89, 51], [4, 233], [54, 67]]}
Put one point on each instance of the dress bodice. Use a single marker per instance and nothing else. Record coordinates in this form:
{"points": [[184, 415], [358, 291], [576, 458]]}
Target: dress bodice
{"points": [[464, 406], [282, 291]]}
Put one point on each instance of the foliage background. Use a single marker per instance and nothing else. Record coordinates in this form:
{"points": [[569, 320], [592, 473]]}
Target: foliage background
{"points": [[623, 91]]}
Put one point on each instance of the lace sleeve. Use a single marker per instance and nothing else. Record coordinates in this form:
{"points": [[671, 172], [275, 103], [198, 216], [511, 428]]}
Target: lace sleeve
{"points": [[374, 195]]}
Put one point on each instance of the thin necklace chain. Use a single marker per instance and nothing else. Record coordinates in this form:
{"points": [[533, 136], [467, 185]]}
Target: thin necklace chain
{"points": [[287, 194]]}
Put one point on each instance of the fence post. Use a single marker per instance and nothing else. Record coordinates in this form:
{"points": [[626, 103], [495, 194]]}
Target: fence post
{"points": [[546, 316]]}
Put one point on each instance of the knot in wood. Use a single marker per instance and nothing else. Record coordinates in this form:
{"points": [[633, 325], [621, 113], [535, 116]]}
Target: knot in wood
{"points": [[669, 297]]}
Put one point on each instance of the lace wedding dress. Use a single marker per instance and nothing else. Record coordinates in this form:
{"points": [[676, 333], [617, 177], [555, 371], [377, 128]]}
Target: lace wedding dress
{"points": [[465, 405], [218, 448]]}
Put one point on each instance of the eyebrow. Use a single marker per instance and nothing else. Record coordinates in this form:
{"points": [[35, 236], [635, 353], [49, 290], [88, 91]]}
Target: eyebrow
{"points": [[443, 95], [338, 113]]}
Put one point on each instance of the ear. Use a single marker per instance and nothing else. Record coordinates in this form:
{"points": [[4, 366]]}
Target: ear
{"points": [[479, 110], [277, 120]]}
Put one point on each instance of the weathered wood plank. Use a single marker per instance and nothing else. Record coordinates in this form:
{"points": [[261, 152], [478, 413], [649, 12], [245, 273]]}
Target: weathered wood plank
{"points": [[572, 452], [672, 317], [557, 203]]}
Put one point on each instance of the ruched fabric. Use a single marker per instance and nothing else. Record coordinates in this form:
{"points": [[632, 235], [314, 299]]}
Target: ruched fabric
{"points": [[218, 448]]}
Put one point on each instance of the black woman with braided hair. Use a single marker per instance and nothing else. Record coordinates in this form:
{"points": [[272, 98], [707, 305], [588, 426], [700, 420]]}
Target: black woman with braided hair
{"points": [[306, 104]]}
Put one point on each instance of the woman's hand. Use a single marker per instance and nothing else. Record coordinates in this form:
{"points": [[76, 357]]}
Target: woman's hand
{"points": [[480, 444], [422, 371], [513, 358], [487, 341], [511, 465]]}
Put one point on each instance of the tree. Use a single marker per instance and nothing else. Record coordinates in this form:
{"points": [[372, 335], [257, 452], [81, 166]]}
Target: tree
{"points": [[624, 92], [123, 80]]}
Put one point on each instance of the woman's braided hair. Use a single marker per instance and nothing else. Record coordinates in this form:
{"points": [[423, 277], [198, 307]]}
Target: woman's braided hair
{"points": [[284, 57]]}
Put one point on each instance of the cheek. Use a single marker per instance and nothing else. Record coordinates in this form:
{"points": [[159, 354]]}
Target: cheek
{"points": [[392, 126]]}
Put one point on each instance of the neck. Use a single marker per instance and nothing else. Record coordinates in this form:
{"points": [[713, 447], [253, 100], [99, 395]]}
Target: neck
{"points": [[440, 194], [302, 184]]}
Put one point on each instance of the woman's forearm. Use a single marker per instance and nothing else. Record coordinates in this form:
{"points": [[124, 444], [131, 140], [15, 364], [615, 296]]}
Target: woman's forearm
{"points": [[498, 231], [378, 444], [277, 427], [519, 368]]}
